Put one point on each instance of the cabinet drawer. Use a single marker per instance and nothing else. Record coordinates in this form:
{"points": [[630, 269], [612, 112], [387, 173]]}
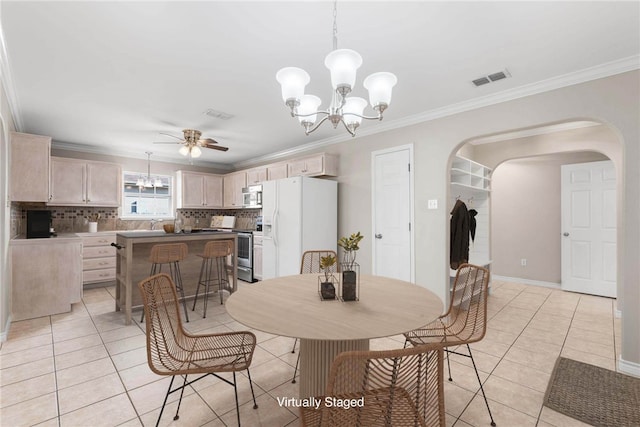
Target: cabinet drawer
{"points": [[98, 240], [98, 263], [98, 251], [99, 275]]}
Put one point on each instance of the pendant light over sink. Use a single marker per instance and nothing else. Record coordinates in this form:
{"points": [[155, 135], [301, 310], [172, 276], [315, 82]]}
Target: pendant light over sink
{"points": [[343, 64], [147, 182]]}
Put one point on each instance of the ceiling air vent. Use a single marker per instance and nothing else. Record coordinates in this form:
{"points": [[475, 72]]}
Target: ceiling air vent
{"points": [[493, 77], [217, 114]]}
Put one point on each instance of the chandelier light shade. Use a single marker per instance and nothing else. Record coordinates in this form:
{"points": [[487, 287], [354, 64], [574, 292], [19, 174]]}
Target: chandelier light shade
{"points": [[343, 65], [293, 80], [379, 86]]}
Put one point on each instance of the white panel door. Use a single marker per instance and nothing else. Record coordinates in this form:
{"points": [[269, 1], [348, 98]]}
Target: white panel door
{"points": [[392, 243], [589, 228]]}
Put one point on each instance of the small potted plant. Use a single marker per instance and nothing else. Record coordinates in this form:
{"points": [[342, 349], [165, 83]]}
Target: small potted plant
{"points": [[350, 267], [327, 288]]}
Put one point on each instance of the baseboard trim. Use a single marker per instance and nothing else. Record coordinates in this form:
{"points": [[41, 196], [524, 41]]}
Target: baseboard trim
{"points": [[4, 334], [526, 281], [627, 367]]}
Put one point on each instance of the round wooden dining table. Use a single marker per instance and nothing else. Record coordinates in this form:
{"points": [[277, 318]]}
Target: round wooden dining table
{"points": [[291, 306]]}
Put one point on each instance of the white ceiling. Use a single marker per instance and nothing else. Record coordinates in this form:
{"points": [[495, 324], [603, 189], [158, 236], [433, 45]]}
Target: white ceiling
{"points": [[109, 76]]}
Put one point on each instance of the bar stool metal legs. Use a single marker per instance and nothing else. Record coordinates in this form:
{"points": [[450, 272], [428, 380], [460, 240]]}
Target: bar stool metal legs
{"points": [[170, 254], [213, 270]]}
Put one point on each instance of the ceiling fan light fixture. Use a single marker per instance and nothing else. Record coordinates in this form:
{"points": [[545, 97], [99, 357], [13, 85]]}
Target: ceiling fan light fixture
{"points": [[184, 150], [195, 151]]}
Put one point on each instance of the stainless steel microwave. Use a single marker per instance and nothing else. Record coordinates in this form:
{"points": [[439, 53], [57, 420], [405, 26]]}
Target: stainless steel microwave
{"points": [[252, 196]]}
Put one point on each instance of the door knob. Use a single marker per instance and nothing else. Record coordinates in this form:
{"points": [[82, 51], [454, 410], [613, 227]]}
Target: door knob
{"points": [[565, 234], [378, 236]]}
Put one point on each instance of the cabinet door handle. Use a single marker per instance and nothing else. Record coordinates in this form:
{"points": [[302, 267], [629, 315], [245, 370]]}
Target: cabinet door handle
{"points": [[378, 236]]}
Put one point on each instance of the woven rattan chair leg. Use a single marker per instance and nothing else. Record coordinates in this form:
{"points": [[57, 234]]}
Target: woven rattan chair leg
{"points": [[198, 287], [178, 280], [449, 364], [235, 390], [486, 402], [255, 404], [207, 282], [173, 377], [221, 272], [295, 372], [184, 384], [293, 350]]}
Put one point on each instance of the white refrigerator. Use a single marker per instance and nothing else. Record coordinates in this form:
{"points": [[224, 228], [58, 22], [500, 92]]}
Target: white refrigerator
{"points": [[298, 214]]}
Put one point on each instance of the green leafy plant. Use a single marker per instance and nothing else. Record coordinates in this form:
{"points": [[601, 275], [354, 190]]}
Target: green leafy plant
{"points": [[326, 262], [350, 247]]}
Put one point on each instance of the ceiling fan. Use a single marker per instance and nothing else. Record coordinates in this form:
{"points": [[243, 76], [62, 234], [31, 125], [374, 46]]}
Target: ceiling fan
{"points": [[192, 143]]}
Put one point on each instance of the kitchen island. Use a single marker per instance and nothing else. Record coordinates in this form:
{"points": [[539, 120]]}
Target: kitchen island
{"points": [[132, 263]]}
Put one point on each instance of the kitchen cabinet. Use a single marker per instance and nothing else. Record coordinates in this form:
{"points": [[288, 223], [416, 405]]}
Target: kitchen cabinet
{"points": [[30, 156], [198, 190], [79, 182], [277, 171], [51, 286], [316, 165], [98, 257], [256, 175], [233, 185]]}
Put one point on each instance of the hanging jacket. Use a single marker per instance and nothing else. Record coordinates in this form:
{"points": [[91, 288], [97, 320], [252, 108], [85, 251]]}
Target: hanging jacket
{"points": [[472, 223], [459, 239]]}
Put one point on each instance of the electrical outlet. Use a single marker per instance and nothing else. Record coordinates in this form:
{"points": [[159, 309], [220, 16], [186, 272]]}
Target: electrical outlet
{"points": [[432, 204], [523, 262]]}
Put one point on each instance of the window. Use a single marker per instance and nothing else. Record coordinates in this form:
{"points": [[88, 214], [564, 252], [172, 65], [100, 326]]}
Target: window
{"points": [[152, 200]]}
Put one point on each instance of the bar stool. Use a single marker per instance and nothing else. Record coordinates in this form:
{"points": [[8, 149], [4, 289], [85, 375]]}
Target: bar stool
{"points": [[214, 256], [172, 254]]}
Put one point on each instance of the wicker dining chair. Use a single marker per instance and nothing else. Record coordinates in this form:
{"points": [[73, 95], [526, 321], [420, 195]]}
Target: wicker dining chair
{"points": [[398, 388], [173, 351], [464, 323], [310, 263]]}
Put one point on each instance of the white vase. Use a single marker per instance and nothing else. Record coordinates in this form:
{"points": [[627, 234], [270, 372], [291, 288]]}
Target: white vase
{"points": [[93, 227]]}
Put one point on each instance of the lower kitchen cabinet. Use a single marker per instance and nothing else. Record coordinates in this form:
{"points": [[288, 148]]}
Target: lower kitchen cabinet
{"points": [[46, 276], [98, 257]]}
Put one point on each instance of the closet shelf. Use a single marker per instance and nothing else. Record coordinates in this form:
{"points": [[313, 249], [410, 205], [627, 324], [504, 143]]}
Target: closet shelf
{"points": [[472, 187]]}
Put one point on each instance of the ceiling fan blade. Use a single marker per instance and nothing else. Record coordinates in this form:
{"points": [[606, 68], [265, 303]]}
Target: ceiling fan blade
{"points": [[167, 142], [216, 147], [205, 141], [172, 136]]}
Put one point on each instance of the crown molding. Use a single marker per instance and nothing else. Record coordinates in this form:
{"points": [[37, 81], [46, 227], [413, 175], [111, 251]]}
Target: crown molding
{"points": [[608, 69], [7, 83], [94, 149]]}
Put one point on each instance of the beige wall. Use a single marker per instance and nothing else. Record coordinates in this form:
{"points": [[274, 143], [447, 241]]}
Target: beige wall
{"points": [[612, 100], [6, 125], [525, 216]]}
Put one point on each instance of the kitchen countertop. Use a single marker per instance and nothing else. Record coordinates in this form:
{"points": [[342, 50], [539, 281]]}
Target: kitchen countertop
{"points": [[60, 238], [160, 233]]}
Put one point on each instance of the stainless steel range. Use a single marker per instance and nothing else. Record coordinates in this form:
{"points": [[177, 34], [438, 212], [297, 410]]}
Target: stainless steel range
{"points": [[245, 256]]}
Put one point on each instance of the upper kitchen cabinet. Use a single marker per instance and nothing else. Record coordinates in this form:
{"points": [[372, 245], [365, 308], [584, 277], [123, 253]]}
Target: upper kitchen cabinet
{"points": [[256, 175], [198, 190], [30, 155], [79, 182], [316, 165], [233, 185], [277, 171]]}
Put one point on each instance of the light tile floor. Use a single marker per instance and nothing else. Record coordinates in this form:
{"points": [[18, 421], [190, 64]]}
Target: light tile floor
{"points": [[85, 368]]}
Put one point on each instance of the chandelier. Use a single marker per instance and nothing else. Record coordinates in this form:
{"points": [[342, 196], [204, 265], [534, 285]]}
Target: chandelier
{"points": [[343, 64], [147, 182]]}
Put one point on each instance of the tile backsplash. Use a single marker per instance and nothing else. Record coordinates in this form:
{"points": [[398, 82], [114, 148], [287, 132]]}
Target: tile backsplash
{"points": [[74, 219]]}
